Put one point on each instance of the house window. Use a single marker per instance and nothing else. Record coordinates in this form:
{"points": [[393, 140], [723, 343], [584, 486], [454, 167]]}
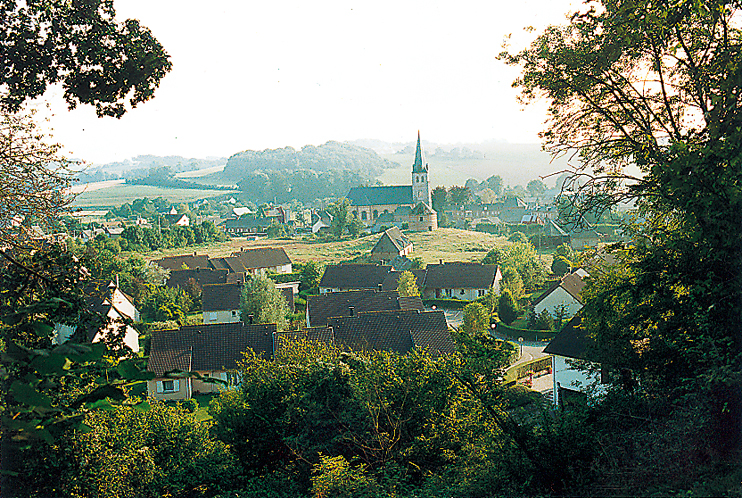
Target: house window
{"points": [[448, 292], [234, 313], [376, 214], [355, 214], [168, 385], [364, 215], [421, 218], [461, 292], [480, 292]]}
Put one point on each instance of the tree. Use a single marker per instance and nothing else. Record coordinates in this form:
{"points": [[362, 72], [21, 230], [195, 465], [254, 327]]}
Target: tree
{"points": [[495, 183], [407, 284], [487, 195], [311, 274], [512, 281], [33, 179], [438, 197], [656, 85], [476, 318], [536, 188], [560, 266], [341, 218], [507, 309], [261, 299], [99, 61], [458, 196], [166, 303]]}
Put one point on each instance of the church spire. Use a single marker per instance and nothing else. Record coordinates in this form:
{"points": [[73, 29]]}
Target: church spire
{"points": [[419, 166]]}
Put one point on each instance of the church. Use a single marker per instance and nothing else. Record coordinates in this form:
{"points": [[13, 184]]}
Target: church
{"points": [[404, 206]]}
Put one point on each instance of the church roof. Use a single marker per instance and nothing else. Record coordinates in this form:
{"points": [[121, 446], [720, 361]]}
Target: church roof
{"points": [[419, 165], [380, 196]]}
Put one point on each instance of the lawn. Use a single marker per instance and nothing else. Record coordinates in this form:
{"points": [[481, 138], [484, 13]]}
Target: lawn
{"points": [[448, 244], [120, 194]]}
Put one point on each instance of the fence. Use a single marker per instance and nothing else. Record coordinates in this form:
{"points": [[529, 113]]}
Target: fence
{"points": [[531, 367]]}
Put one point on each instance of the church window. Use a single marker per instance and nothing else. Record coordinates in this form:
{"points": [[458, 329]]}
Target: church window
{"points": [[364, 216]]}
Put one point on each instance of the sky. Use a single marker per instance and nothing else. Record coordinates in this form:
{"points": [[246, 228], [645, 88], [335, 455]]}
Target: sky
{"points": [[270, 74]]}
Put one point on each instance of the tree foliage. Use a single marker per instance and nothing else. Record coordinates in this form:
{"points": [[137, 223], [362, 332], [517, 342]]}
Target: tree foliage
{"points": [[264, 302], [98, 60], [407, 284], [476, 318], [507, 307]]}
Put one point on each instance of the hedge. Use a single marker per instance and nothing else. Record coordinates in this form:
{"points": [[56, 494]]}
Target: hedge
{"points": [[527, 334], [451, 304], [534, 366]]}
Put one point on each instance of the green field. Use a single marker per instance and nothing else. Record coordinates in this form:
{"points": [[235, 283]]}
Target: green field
{"points": [[121, 194]]}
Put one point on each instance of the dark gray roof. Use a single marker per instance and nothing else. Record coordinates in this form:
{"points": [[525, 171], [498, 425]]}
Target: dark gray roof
{"points": [[263, 257], [460, 275], [202, 276], [353, 276], [249, 222], [190, 260], [229, 263], [221, 297], [572, 341], [379, 196], [392, 241], [391, 281], [398, 331], [334, 304], [208, 347]]}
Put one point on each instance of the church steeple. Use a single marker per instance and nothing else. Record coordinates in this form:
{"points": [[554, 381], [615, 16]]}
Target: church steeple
{"points": [[419, 166], [420, 185]]}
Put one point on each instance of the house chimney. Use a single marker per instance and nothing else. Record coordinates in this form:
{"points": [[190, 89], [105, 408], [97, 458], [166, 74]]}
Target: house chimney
{"points": [[351, 311], [381, 286], [250, 319]]}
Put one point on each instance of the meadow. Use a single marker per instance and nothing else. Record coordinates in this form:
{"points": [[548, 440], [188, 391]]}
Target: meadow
{"points": [[120, 194], [448, 244]]}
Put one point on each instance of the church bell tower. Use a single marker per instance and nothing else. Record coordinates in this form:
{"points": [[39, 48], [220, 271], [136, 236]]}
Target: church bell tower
{"points": [[420, 185]]}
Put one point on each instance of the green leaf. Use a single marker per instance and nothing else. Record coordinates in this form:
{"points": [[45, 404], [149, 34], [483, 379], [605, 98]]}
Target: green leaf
{"points": [[42, 329], [52, 364], [101, 393], [25, 394]]}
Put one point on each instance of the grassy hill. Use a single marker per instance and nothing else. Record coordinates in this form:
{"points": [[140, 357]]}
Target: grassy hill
{"points": [[448, 244], [123, 193]]}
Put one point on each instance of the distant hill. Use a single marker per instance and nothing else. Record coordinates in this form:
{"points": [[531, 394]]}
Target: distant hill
{"points": [[327, 157], [141, 166]]}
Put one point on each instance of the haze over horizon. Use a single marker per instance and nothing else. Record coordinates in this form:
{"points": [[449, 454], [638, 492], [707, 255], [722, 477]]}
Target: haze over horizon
{"points": [[276, 74]]}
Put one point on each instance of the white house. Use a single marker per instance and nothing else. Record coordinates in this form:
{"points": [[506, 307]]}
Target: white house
{"points": [[563, 294]]}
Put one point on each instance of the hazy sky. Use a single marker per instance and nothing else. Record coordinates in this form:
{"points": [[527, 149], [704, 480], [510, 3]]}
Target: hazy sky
{"points": [[255, 75]]}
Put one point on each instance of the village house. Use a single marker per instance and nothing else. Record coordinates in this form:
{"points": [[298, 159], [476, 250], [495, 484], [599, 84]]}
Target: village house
{"points": [[467, 281], [353, 276], [196, 276], [391, 281], [571, 354], [247, 226], [563, 296], [221, 303], [184, 262], [397, 331], [348, 303], [264, 259], [212, 351], [113, 304], [391, 244]]}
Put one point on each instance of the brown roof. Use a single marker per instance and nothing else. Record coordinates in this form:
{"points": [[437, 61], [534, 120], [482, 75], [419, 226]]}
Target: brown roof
{"points": [[353, 276], [221, 297], [321, 308], [202, 276], [263, 257], [391, 281], [573, 284], [190, 260], [230, 263], [398, 331], [393, 241], [208, 347], [459, 275]]}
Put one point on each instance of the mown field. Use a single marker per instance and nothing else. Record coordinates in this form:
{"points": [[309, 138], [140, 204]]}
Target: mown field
{"points": [[448, 244], [120, 194]]}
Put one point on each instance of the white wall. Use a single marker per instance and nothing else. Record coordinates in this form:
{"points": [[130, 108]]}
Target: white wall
{"points": [[567, 375], [556, 298], [224, 316]]}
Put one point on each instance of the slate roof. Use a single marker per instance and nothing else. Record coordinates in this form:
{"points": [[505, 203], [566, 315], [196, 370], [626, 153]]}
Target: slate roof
{"points": [[572, 341], [391, 281], [460, 275], [263, 257], [334, 304], [221, 297], [190, 260], [249, 222], [398, 331], [354, 276], [379, 196], [202, 276], [572, 283], [229, 263], [208, 347], [392, 241]]}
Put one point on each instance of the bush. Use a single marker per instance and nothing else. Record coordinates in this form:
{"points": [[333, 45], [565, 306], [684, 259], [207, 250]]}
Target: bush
{"points": [[507, 308]]}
